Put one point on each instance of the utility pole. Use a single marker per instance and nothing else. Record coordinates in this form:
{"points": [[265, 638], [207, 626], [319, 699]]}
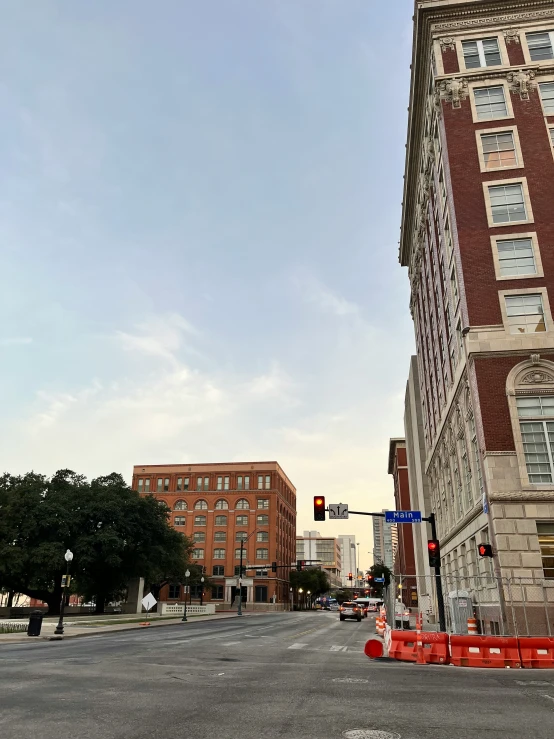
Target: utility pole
{"points": [[438, 581]]}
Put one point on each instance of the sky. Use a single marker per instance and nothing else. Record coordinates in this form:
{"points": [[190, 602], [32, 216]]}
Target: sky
{"points": [[199, 224]]}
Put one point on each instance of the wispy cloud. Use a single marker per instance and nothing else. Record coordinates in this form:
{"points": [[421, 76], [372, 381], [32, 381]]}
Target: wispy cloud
{"points": [[160, 336]]}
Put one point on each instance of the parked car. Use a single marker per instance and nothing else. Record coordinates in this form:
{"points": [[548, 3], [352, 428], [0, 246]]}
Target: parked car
{"points": [[350, 609]]}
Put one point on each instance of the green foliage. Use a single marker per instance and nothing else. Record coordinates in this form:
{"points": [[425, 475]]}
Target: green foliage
{"points": [[114, 535], [312, 579]]}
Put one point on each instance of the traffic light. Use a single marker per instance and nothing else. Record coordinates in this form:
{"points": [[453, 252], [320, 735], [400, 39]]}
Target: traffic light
{"points": [[370, 579], [434, 551], [300, 565], [485, 550], [350, 576], [274, 566], [319, 508]]}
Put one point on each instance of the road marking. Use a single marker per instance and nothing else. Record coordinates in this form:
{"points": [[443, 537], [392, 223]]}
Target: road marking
{"points": [[230, 643], [297, 646], [336, 648], [549, 697]]}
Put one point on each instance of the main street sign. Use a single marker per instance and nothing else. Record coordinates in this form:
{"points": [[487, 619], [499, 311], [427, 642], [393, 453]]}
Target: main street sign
{"points": [[338, 510], [402, 516]]}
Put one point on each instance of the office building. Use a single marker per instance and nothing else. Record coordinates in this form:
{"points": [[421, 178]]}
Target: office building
{"points": [[385, 542], [348, 555], [321, 551]]}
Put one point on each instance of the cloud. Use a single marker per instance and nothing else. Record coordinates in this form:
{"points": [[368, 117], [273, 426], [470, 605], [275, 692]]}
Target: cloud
{"points": [[315, 292], [161, 337], [16, 341]]}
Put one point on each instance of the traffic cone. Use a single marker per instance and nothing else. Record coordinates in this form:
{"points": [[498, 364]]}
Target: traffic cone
{"points": [[420, 655], [472, 626]]}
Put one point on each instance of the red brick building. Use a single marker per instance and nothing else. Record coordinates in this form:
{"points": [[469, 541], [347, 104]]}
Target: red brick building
{"points": [[478, 239], [404, 560], [217, 505]]}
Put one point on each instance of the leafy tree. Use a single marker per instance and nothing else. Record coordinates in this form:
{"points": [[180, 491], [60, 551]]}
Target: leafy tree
{"points": [[114, 534], [312, 579]]}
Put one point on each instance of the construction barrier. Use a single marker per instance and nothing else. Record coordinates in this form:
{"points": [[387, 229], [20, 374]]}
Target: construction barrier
{"points": [[433, 648], [484, 651], [536, 651], [373, 648]]}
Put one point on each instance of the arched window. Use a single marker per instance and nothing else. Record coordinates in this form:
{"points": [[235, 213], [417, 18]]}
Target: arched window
{"points": [[242, 520], [262, 553], [198, 554], [199, 536], [530, 390], [221, 505], [179, 521], [200, 520], [221, 520], [241, 535], [220, 536], [262, 520], [242, 505], [219, 553], [201, 505], [180, 505]]}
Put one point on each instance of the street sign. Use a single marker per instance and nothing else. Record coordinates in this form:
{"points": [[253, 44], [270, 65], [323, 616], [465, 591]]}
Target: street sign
{"points": [[149, 601], [378, 579], [338, 510], [66, 579], [402, 516]]}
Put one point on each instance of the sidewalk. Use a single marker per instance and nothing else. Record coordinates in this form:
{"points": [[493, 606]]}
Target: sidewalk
{"points": [[92, 626]]}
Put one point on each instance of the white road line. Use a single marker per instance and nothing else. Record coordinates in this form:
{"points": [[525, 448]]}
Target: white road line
{"points": [[549, 697], [336, 648], [230, 643], [297, 646]]}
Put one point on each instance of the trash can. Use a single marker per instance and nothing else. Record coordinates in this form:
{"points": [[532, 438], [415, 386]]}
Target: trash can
{"points": [[35, 623]]}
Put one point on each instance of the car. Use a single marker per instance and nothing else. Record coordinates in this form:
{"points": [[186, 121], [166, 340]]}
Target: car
{"points": [[334, 607], [350, 609]]}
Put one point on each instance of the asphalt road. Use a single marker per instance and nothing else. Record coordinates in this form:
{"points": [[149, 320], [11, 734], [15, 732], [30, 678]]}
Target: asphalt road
{"points": [[294, 675]]}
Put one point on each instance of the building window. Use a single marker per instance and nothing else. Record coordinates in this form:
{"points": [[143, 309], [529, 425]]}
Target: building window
{"points": [[219, 553], [196, 591], [160, 485], [481, 53], [199, 536], [226, 483], [261, 593], [547, 97], [200, 520], [516, 257], [220, 536], [507, 203], [221, 520], [174, 592], [262, 520], [239, 482], [263, 503], [206, 483], [147, 485], [551, 131], [237, 554], [525, 314], [540, 45], [140, 485], [268, 482], [221, 505], [537, 436], [218, 571], [260, 482], [499, 150], [490, 102], [242, 521], [179, 521], [218, 592], [201, 505], [237, 568], [187, 482], [262, 536], [199, 483], [247, 482], [180, 505], [241, 536], [262, 553], [220, 483], [166, 484], [242, 505], [198, 554], [179, 483]]}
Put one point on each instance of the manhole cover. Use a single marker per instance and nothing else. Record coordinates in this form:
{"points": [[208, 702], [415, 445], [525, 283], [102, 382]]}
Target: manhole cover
{"points": [[349, 680], [369, 734]]}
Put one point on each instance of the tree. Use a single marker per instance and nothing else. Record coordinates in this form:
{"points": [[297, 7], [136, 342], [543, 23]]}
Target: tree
{"points": [[312, 579], [380, 570], [114, 534]]}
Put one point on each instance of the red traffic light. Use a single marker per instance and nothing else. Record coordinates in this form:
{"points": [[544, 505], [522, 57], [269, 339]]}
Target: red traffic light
{"points": [[369, 577], [434, 552], [432, 545], [319, 508], [485, 550]]}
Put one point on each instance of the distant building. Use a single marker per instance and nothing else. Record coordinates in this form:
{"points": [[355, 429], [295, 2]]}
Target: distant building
{"points": [[217, 505], [347, 545], [385, 542], [324, 551]]}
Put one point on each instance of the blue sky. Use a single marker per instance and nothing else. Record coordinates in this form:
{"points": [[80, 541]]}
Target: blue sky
{"points": [[199, 217]]}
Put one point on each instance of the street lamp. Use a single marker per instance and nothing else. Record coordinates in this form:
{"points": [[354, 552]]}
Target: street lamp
{"points": [[187, 575], [300, 591], [309, 593], [202, 591], [68, 556], [242, 540]]}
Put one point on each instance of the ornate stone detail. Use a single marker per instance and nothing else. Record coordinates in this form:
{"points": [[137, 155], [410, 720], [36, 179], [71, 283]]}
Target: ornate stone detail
{"points": [[536, 377], [453, 91], [535, 358], [493, 20], [511, 34], [521, 82], [447, 42]]}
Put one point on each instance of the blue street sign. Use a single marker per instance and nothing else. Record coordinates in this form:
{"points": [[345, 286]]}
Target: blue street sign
{"points": [[402, 516], [378, 579]]}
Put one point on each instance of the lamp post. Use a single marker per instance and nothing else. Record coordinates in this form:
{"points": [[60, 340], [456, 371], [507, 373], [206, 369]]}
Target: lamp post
{"points": [[242, 540], [309, 594], [291, 599], [202, 590], [68, 556], [187, 575], [300, 591]]}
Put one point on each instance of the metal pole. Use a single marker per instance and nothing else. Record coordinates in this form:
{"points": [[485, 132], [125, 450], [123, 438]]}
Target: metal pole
{"points": [[440, 599], [185, 612], [239, 610], [59, 627]]}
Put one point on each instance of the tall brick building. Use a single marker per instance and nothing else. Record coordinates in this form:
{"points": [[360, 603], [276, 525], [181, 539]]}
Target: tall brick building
{"points": [[478, 240], [217, 505], [404, 559]]}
